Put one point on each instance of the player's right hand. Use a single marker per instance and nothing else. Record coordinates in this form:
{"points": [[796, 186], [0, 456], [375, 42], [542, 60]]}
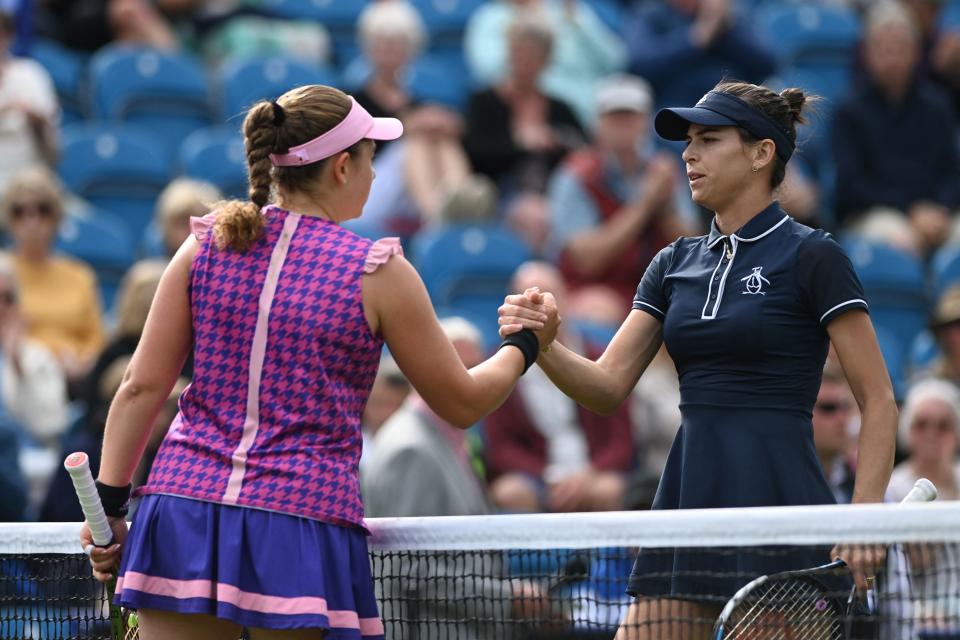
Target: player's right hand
{"points": [[522, 311]]}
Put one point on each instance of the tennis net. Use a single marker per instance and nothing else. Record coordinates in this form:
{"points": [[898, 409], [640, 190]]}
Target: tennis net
{"points": [[545, 576]]}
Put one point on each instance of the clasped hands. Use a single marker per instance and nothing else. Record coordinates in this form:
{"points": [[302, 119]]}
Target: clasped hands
{"points": [[534, 310]]}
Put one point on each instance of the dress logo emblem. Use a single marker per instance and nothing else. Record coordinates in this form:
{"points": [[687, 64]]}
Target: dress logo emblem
{"points": [[754, 283]]}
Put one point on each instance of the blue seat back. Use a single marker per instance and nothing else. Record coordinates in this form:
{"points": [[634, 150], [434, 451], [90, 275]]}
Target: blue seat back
{"points": [[469, 267], [243, 82], [338, 17], [895, 287], [165, 92], [119, 168], [67, 69], [217, 155], [809, 32], [945, 269], [101, 240]]}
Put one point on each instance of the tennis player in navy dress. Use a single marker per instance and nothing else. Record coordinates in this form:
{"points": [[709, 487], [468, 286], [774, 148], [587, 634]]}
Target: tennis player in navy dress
{"points": [[747, 313]]}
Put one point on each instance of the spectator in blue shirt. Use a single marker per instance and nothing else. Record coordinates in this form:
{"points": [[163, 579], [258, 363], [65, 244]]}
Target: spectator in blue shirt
{"points": [[703, 38], [895, 142]]}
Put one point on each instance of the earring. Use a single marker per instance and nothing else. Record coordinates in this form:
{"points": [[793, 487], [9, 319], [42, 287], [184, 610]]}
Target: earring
{"points": [[755, 169]]}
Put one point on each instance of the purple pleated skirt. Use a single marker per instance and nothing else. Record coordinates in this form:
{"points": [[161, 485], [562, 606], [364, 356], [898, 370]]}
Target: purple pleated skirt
{"points": [[257, 568]]}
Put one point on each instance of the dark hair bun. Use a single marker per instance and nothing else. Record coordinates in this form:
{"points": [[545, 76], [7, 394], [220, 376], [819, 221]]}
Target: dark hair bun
{"points": [[796, 100]]}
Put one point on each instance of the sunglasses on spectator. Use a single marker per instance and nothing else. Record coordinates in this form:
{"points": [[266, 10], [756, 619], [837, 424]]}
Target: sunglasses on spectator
{"points": [[942, 426], [42, 208], [831, 407]]}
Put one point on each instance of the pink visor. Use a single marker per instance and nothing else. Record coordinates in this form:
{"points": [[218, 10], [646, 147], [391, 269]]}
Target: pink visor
{"points": [[355, 127]]}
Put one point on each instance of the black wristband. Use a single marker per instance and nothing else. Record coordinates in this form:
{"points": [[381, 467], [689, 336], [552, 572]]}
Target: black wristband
{"points": [[115, 500], [525, 340]]}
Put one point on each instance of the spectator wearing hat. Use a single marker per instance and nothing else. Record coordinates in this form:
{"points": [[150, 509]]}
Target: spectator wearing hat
{"points": [[945, 325], [895, 142], [616, 203]]}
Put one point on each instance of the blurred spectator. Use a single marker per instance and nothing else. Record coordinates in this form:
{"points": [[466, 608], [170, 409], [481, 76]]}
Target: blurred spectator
{"points": [[515, 133], [929, 430], [13, 489], [945, 325], [528, 215], [585, 49], [59, 296], [34, 393], [181, 200], [682, 47], [544, 451], [416, 175], [940, 46], [895, 142], [90, 24], [28, 110], [133, 304], [833, 417], [420, 467], [615, 204], [390, 389]]}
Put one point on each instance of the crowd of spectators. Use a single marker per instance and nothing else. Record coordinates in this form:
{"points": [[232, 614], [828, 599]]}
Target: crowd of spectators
{"points": [[551, 138]]}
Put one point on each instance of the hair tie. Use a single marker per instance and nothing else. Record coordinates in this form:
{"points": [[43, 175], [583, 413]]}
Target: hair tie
{"points": [[278, 114]]}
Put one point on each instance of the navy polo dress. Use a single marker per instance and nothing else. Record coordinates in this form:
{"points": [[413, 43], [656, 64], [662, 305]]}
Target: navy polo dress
{"points": [[744, 319]]}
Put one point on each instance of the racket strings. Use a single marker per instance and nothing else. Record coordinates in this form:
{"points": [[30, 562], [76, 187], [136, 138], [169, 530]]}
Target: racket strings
{"points": [[786, 610]]}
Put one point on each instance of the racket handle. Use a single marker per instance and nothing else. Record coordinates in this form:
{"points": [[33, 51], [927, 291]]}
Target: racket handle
{"points": [[923, 491], [78, 466]]}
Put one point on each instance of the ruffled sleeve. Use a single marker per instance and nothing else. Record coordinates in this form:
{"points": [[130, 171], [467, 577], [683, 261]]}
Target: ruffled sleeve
{"points": [[380, 251], [201, 227]]}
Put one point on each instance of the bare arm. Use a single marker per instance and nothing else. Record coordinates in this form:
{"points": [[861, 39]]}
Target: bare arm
{"points": [[856, 344], [152, 372], [398, 307], [594, 250], [603, 385]]}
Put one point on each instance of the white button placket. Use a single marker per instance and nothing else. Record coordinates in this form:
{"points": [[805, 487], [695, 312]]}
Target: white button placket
{"points": [[719, 278]]}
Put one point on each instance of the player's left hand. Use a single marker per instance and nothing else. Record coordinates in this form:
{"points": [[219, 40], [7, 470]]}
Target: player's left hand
{"points": [[105, 560], [522, 311]]}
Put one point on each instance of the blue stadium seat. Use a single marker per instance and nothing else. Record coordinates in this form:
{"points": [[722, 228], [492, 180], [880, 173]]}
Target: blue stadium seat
{"points": [[469, 267], [120, 168], [339, 17], [164, 92], [808, 32], [217, 155], [67, 69], [101, 240], [923, 351], [440, 78], [945, 269], [893, 356], [446, 20], [895, 287], [611, 12], [244, 82]]}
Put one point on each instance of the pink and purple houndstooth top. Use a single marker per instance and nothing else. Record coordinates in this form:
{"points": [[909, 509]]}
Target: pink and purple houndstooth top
{"points": [[284, 362]]}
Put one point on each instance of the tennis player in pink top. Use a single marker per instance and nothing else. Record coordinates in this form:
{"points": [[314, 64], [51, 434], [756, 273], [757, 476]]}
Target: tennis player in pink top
{"points": [[252, 515]]}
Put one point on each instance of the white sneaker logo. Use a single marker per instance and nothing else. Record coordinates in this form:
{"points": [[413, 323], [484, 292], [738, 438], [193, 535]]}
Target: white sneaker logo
{"points": [[754, 283]]}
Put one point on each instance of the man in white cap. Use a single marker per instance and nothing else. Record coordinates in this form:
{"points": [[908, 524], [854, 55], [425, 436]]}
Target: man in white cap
{"points": [[616, 203]]}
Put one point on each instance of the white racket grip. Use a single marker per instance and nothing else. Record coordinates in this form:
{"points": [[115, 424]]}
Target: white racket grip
{"points": [[923, 491], [78, 466]]}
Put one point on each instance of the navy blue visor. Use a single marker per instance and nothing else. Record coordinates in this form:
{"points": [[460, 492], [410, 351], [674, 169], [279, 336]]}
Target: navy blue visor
{"points": [[718, 109]]}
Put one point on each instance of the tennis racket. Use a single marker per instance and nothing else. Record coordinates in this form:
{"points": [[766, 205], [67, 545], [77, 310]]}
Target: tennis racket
{"points": [[797, 604], [123, 624]]}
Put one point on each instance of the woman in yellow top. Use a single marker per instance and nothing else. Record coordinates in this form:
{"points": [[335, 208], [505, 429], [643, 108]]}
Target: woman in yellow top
{"points": [[59, 296]]}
